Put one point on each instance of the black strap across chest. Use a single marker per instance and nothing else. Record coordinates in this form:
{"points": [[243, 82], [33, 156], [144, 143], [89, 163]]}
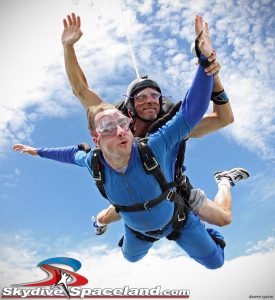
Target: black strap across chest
{"points": [[150, 165]]}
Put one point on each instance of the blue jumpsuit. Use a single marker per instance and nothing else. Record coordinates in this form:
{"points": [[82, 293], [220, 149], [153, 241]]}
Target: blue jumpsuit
{"points": [[135, 186]]}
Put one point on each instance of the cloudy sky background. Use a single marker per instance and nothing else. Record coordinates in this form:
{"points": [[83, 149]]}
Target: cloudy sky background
{"points": [[46, 207]]}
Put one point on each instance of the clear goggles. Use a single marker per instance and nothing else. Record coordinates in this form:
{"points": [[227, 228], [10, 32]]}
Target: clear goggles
{"points": [[142, 97], [107, 125]]}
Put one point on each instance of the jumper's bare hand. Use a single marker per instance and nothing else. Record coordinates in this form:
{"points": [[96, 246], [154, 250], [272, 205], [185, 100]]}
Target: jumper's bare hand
{"points": [[25, 149], [71, 33]]}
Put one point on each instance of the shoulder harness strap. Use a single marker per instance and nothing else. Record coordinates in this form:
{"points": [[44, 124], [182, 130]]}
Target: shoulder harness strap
{"points": [[151, 165], [180, 159], [98, 171]]}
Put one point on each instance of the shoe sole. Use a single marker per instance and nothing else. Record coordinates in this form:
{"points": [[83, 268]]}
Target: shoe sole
{"points": [[101, 232], [232, 170]]}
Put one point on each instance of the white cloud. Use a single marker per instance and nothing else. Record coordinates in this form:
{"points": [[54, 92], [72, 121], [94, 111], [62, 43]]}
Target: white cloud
{"points": [[263, 246], [243, 39], [146, 8], [164, 266], [264, 196], [254, 116]]}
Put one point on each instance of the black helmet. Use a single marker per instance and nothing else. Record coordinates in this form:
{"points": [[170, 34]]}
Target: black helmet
{"points": [[137, 84]]}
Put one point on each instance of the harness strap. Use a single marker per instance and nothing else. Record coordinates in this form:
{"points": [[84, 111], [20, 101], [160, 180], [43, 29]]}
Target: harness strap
{"points": [[179, 216], [178, 221], [218, 241], [138, 235], [180, 159], [150, 164], [169, 195], [98, 171], [143, 237]]}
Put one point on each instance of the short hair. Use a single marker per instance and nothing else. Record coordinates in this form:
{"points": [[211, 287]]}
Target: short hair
{"points": [[92, 111]]}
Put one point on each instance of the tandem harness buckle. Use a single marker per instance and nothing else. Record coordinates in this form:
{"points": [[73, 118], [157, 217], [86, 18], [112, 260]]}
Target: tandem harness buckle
{"points": [[170, 197], [151, 164], [182, 217], [98, 176], [96, 166], [146, 205]]}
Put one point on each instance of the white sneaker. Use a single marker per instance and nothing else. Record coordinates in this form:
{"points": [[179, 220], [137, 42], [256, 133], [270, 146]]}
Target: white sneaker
{"points": [[99, 229], [233, 175]]}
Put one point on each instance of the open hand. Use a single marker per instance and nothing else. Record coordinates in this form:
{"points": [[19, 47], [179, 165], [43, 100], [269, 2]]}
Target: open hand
{"points": [[205, 43], [71, 33], [25, 149]]}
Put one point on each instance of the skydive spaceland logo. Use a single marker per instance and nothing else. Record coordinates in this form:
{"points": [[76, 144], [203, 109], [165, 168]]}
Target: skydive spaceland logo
{"points": [[63, 283], [59, 280]]}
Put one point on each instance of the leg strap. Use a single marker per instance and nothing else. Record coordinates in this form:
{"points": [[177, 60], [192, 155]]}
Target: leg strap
{"points": [[218, 241], [140, 236]]}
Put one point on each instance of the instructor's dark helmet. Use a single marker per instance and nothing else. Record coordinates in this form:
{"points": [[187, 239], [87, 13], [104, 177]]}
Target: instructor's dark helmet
{"points": [[135, 86]]}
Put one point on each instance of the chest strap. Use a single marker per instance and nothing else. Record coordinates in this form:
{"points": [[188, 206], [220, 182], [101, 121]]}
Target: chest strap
{"points": [[169, 195]]}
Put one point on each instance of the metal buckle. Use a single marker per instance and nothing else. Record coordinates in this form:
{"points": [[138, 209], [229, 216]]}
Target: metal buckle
{"points": [[155, 165], [146, 205], [181, 218], [180, 175], [170, 194], [184, 178], [98, 178]]}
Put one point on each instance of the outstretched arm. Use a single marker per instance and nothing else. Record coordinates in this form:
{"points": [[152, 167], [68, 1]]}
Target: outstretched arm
{"points": [[64, 155], [71, 34]]}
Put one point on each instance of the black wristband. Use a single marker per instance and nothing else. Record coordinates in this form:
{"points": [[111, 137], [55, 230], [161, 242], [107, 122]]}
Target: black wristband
{"points": [[203, 62], [219, 98]]}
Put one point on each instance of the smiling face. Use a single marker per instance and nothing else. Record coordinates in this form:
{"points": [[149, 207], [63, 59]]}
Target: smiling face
{"points": [[112, 134], [147, 104]]}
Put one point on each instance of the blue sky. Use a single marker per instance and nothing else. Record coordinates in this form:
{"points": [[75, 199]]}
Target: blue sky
{"points": [[46, 207]]}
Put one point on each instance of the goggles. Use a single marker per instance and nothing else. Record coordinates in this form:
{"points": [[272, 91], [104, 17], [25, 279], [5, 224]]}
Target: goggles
{"points": [[107, 125], [143, 97]]}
